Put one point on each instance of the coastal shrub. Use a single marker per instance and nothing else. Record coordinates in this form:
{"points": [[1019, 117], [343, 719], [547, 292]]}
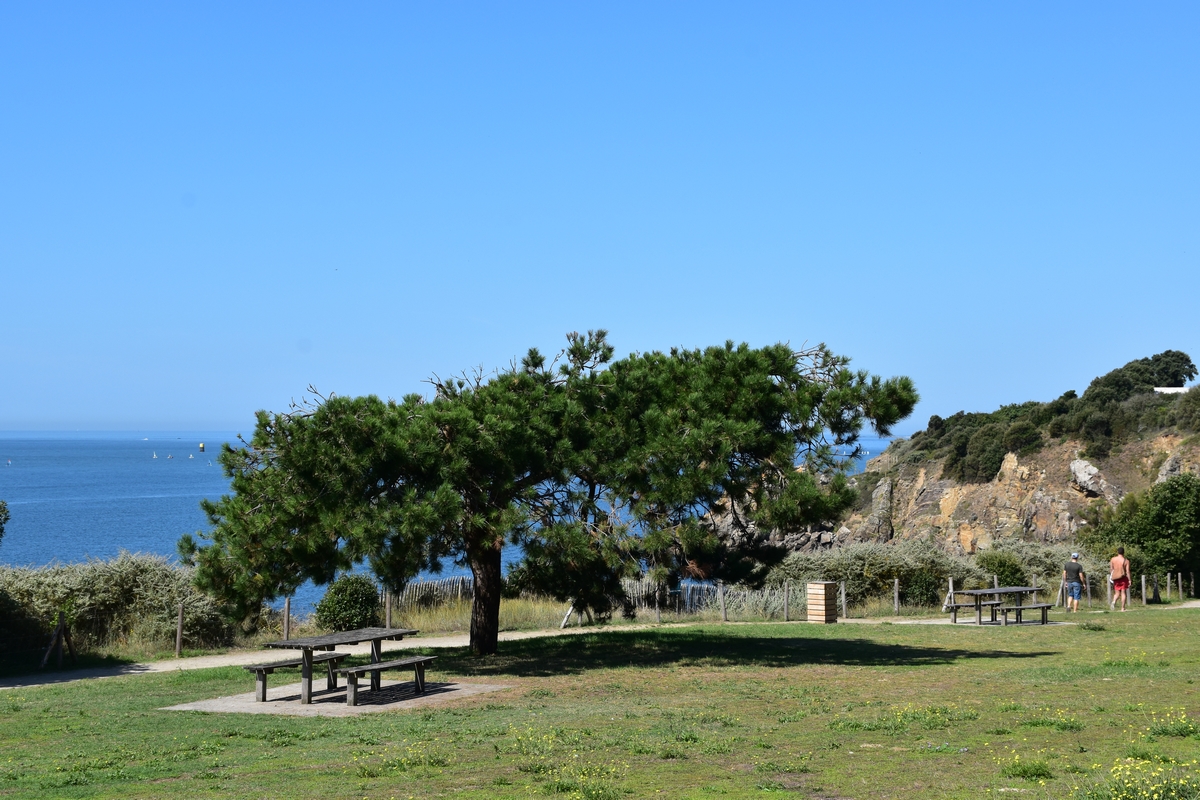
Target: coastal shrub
{"points": [[130, 598], [1116, 407], [1005, 565], [868, 570], [1187, 410], [351, 601]]}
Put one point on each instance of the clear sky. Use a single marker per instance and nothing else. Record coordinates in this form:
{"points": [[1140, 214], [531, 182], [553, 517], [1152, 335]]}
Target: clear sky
{"points": [[206, 207]]}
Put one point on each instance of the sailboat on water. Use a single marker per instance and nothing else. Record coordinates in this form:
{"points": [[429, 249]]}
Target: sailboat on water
{"points": [[155, 455]]}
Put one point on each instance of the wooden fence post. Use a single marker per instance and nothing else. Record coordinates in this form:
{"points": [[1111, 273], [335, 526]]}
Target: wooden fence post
{"points": [[179, 633], [1108, 596], [842, 592], [787, 586], [896, 596], [657, 610], [1143, 590], [721, 595], [1168, 587], [287, 618]]}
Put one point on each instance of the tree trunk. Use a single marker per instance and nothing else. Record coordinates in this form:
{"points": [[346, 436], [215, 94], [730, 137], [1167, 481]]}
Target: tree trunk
{"points": [[485, 607]]}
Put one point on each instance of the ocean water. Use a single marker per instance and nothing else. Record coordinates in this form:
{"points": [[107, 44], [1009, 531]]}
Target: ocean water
{"points": [[79, 495]]}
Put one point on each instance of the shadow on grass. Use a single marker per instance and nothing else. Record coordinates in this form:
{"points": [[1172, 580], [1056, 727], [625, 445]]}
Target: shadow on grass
{"points": [[25, 670], [574, 654]]}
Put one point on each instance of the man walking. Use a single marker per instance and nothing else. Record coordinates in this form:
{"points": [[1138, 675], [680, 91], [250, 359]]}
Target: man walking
{"points": [[1119, 571], [1073, 577]]}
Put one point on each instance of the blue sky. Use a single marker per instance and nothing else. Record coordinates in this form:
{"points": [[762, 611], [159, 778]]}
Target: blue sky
{"points": [[205, 209]]}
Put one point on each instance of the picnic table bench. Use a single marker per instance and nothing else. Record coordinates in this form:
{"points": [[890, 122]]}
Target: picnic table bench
{"points": [[954, 607], [416, 662], [1045, 608], [261, 671]]}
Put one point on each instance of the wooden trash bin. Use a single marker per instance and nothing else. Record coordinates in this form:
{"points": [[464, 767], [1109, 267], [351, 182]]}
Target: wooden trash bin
{"points": [[822, 601]]}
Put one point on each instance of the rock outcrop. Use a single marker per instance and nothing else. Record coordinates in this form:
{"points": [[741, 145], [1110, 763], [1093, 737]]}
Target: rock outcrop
{"points": [[1041, 497], [1087, 479]]}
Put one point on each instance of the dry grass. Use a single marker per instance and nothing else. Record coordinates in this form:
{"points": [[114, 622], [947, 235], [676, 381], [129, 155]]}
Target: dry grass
{"points": [[454, 616]]}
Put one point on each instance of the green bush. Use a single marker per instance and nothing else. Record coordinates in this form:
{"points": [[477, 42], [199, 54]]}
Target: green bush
{"points": [[351, 601], [1116, 407], [131, 597], [1187, 410], [1006, 566], [869, 569]]}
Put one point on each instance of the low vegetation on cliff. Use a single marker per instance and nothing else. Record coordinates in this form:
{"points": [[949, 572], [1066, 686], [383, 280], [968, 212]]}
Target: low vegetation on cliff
{"points": [[1115, 407]]}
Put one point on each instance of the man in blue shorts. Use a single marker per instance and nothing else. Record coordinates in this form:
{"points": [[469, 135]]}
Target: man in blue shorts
{"points": [[1073, 577]]}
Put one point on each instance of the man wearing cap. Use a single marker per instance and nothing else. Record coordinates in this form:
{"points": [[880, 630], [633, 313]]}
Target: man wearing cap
{"points": [[1074, 578]]}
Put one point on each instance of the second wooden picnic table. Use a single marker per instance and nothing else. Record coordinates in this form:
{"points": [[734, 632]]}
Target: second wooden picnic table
{"points": [[978, 594], [328, 641]]}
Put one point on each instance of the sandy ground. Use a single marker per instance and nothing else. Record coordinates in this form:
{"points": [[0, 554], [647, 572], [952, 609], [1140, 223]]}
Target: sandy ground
{"points": [[243, 657]]}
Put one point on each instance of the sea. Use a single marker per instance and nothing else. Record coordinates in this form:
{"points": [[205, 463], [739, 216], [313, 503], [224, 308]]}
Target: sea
{"points": [[74, 496]]}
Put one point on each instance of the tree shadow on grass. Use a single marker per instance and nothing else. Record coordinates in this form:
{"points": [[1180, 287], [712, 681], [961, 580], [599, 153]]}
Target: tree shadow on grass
{"points": [[561, 655]]}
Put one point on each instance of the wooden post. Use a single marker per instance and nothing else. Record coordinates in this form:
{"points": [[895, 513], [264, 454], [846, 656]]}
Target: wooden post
{"points": [[287, 618], [1168, 587], [1143, 590], [658, 611], [1108, 595], [995, 585], [1181, 594], [1157, 599], [179, 633], [949, 596], [896, 596], [567, 616], [387, 608], [787, 586], [721, 595], [842, 592]]}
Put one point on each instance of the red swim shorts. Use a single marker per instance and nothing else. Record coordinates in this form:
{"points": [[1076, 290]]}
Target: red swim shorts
{"points": [[1120, 584]]}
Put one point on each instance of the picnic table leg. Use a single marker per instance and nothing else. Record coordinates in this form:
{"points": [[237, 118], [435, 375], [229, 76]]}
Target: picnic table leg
{"points": [[1018, 605], [306, 667], [260, 686], [331, 677], [419, 677], [352, 689], [376, 657]]}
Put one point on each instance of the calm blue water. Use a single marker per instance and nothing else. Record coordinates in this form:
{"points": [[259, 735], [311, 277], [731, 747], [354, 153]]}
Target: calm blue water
{"points": [[74, 496]]}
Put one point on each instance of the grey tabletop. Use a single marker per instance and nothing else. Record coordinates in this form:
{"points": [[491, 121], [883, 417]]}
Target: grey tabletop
{"points": [[1001, 590], [343, 637]]}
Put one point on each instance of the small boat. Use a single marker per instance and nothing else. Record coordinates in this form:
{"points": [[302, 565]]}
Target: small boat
{"points": [[155, 454], [170, 456], [190, 455]]}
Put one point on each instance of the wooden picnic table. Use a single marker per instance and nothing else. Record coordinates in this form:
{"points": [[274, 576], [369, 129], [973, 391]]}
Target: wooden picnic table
{"points": [[328, 641], [978, 594]]}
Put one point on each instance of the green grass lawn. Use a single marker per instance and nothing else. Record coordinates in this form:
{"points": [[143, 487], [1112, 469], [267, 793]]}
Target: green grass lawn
{"points": [[902, 711]]}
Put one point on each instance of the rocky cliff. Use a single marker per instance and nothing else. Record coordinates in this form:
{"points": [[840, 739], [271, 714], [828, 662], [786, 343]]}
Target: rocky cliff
{"points": [[1040, 497]]}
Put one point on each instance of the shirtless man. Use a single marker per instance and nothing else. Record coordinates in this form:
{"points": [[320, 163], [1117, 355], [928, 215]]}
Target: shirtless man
{"points": [[1119, 566]]}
